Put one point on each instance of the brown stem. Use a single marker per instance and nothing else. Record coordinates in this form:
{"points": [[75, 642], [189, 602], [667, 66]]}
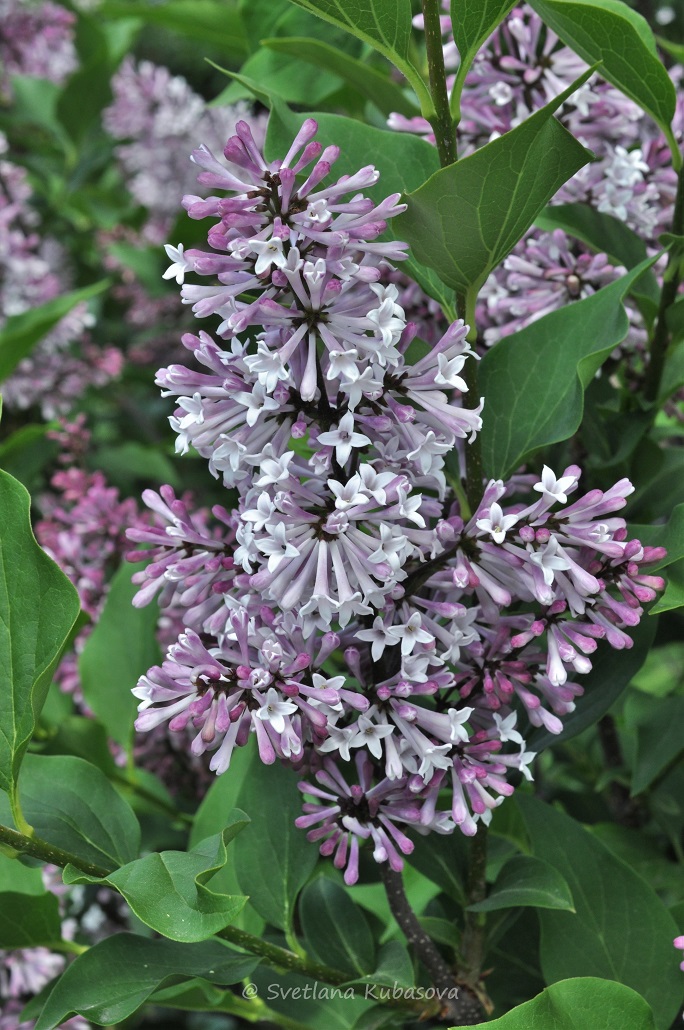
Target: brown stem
{"points": [[457, 1003], [442, 122]]}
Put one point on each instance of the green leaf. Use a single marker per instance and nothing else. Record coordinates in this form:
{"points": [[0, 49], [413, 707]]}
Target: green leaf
{"points": [[34, 107], [394, 967], [214, 24], [81, 737], [111, 980], [384, 24], [29, 922], [674, 590], [612, 671], [88, 90], [673, 373], [469, 216], [26, 452], [659, 740], [20, 878], [132, 461], [273, 859], [534, 380], [167, 890], [213, 816], [21, 333], [473, 22], [578, 1004], [121, 648], [38, 607], [621, 929], [366, 80], [527, 881], [444, 860], [280, 75], [308, 1002], [335, 929], [72, 804], [612, 34]]}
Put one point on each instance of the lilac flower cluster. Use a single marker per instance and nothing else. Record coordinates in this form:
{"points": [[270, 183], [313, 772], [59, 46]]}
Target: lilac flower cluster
{"points": [[523, 66], [348, 610], [32, 273], [36, 39], [156, 115]]}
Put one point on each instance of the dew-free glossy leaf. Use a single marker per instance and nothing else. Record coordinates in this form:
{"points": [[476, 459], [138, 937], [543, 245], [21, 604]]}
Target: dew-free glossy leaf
{"points": [[167, 890], [207, 21], [527, 881], [29, 922], [621, 929], [366, 80], [114, 978], [386, 25], [72, 804], [659, 740], [610, 32], [335, 928], [473, 21], [468, 217], [213, 815], [670, 536], [578, 1004], [273, 859], [20, 878], [534, 380], [673, 596], [394, 967], [121, 648], [38, 607], [21, 333]]}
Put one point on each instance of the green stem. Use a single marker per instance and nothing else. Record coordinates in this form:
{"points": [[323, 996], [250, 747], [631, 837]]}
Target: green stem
{"points": [[442, 122], [17, 814], [284, 959], [660, 340], [34, 847], [67, 947]]}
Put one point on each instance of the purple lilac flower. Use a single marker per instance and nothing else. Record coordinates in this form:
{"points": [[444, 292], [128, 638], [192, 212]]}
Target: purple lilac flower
{"points": [[157, 115], [544, 272], [345, 611], [56, 373], [36, 39]]}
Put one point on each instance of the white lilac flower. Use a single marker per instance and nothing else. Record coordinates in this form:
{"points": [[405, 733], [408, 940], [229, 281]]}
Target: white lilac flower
{"points": [[180, 263], [496, 524]]}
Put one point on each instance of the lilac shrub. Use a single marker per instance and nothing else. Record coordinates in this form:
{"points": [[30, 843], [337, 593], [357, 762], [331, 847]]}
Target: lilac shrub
{"points": [[349, 609]]}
